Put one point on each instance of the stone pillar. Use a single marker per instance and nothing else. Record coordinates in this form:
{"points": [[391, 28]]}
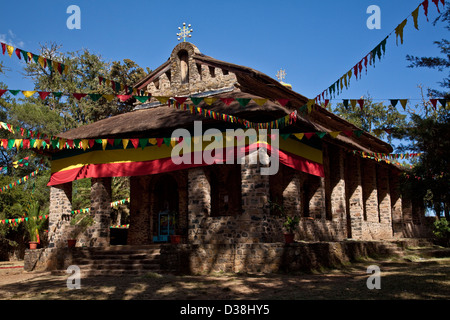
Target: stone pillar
{"points": [[199, 203], [370, 194], [101, 211], [384, 202], [255, 186], [140, 216], [355, 197], [338, 203], [59, 214], [396, 204]]}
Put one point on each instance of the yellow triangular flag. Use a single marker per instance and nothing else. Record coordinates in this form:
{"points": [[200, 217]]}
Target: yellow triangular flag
{"points": [[309, 104], [108, 97], [84, 144], [260, 102], [162, 100], [41, 61], [299, 136], [17, 143], [104, 143], [62, 142], [399, 31], [334, 134], [153, 141], [415, 13], [28, 93], [209, 101], [125, 143], [353, 103], [10, 50], [173, 142], [403, 102]]}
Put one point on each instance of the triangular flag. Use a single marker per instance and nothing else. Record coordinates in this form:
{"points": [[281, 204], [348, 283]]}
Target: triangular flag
{"points": [[299, 136], [243, 101], [14, 92], [43, 94], [125, 143], [308, 135], [361, 103], [345, 102], [142, 99], [42, 61], [415, 14], [399, 31], [321, 134], [433, 103], [2, 91], [443, 102], [348, 133], [10, 50], [28, 93], [18, 54], [143, 143], [394, 102], [78, 96], [135, 143], [326, 102], [353, 103], [283, 102], [162, 100], [227, 101], [180, 100], [210, 100], [334, 134], [104, 143], [95, 96], [123, 97], [196, 101], [436, 2], [403, 102], [260, 102], [109, 97]]}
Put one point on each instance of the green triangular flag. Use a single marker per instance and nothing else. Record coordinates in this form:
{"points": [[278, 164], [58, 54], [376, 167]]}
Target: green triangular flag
{"points": [[35, 58], [117, 141], [14, 92], [196, 101], [57, 94], [25, 55], [243, 101], [142, 99], [358, 133], [443, 102], [167, 141], [94, 96], [143, 143], [345, 102], [11, 143], [285, 135], [321, 134]]}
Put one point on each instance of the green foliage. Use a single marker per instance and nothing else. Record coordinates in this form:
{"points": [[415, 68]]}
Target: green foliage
{"points": [[441, 230], [291, 223], [33, 225]]}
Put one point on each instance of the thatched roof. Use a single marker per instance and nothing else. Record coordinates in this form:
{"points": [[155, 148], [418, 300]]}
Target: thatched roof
{"points": [[162, 120]]}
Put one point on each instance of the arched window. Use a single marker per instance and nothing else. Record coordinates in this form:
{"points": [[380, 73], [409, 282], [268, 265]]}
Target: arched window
{"points": [[184, 66]]}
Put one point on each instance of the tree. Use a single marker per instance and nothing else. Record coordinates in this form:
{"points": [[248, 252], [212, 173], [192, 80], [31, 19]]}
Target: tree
{"points": [[430, 134]]}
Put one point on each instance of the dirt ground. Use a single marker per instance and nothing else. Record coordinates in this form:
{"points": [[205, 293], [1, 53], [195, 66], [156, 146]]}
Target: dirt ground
{"points": [[414, 276]]}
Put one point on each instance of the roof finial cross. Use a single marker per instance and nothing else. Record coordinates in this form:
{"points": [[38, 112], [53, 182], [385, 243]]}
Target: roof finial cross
{"points": [[281, 74], [184, 32]]}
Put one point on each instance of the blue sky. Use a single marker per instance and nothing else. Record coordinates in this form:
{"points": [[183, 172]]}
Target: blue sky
{"points": [[316, 42]]}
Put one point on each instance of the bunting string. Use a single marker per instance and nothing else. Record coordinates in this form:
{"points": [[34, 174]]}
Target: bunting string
{"points": [[29, 57], [376, 53], [20, 181]]}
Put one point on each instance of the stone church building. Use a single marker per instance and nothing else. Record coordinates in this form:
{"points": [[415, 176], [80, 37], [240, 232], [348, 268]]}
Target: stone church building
{"points": [[337, 194]]}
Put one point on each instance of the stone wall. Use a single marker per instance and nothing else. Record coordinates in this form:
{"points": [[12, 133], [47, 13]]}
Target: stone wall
{"points": [[269, 257]]}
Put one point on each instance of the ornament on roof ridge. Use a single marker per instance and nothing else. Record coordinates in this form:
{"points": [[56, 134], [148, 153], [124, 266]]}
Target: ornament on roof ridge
{"points": [[185, 32], [281, 74]]}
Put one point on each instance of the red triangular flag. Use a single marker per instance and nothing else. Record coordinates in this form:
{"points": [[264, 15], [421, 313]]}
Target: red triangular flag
{"points": [[326, 102], [433, 102], [78, 96], [111, 141], [123, 98], [361, 103], [309, 134], [18, 52], [283, 101], [159, 141], [425, 8], [43, 94], [135, 143], [227, 101], [180, 100], [436, 2], [91, 142], [348, 133], [2, 91]]}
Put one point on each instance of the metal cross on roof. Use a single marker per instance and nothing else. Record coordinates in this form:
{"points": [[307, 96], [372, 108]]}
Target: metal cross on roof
{"points": [[281, 74], [184, 32]]}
